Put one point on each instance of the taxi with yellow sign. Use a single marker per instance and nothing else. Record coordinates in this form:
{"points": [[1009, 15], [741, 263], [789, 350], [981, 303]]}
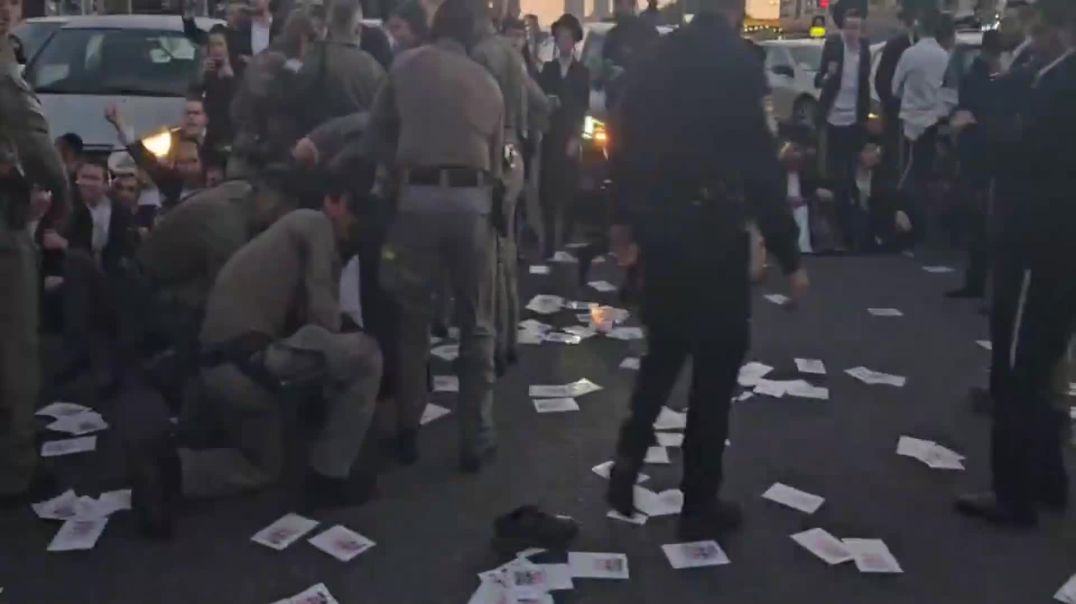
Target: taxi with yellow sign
{"points": [[143, 64]]}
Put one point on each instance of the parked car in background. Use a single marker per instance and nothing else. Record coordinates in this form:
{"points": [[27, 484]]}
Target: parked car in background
{"points": [[142, 63], [791, 66]]}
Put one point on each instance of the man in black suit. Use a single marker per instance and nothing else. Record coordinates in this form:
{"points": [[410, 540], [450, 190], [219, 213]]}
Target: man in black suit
{"points": [[569, 81], [844, 77], [892, 147]]}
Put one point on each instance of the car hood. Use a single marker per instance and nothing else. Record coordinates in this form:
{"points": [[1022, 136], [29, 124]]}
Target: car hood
{"points": [[84, 114]]}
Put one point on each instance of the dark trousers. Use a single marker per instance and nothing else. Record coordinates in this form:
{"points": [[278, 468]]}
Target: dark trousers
{"points": [[559, 183], [975, 216], [1033, 316], [716, 365], [918, 170], [843, 144]]}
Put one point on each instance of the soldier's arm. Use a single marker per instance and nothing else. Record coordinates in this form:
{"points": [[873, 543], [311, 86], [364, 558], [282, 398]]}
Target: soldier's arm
{"points": [[321, 270], [538, 107], [383, 125], [756, 158], [332, 136], [23, 120]]}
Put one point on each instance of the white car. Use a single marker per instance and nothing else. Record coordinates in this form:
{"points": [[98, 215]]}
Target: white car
{"points": [[142, 63], [791, 66]]}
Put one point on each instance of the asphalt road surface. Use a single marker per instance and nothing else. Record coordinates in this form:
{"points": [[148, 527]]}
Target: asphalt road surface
{"points": [[432, 525]]}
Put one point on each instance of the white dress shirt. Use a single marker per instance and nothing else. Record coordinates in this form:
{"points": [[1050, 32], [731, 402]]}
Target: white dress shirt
{"points": [[918, 82], [843, 112], [259, 35], [565, 65], [101, 214]]}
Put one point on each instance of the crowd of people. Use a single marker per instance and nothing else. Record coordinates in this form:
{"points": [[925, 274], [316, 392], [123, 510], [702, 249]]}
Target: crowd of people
{"points": [[329, 193]]}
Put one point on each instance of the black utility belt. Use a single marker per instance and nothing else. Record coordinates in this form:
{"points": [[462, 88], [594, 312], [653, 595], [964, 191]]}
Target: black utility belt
{"points": [[447, 177]]}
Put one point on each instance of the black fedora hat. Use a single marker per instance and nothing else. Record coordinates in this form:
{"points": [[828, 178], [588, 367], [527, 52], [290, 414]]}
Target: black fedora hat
{"points": [[572, 23]]}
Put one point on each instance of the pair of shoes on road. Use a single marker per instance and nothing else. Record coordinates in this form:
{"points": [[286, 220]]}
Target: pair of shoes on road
{"points": [[697, 522], [528, 526], [473, 462], [989, 508]]}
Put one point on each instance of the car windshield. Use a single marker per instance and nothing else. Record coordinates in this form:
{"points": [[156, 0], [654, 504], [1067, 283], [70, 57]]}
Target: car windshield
{"points": [[33, 35], [114, 61], [807, 57]]}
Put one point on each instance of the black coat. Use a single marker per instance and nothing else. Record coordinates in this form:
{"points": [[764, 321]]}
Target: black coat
{"points": [[376, 42], [833, 54], [122, 236], [887, 68], [566, 121]]}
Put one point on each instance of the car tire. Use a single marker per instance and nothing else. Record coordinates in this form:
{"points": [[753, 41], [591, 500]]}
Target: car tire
{"points": [[805, 112]]}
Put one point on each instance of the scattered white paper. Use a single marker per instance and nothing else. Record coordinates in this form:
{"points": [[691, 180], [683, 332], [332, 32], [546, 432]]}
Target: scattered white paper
{"points": [[811, 366], [825, 546], [555, 405], [626, 333], [603, 286], [778, 299], [580, 331], [544, 577], [113, 501], [446, 352], [535, 326], [665, 503], [64, 506], [772, 388], [579, 305], [670, 420], [564, 257], [930, 453], [885, 312], [1067, 593], [872, 556], [695, 555], [985, 344], [545, 304], [743, 396], [804, 390], [531, 338], [285, 531], [432, 413], [793, 498], [341, 543], [575, 389], [939, 269], [670, 439], [562, 338], [531, 551], [657, 455], [586, 565], [78, 534], [60, 409], [70, 446], [540, 269], [752, 372], [79, 424], [871, 377], [318, 594], [630, 363], [446, 383], [638, 518], [605, 470]]}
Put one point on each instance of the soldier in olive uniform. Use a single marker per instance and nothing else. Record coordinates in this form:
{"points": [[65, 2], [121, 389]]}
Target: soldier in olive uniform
{"points": [[273, 318], [505, 64], [439, 122], [30, 159]]}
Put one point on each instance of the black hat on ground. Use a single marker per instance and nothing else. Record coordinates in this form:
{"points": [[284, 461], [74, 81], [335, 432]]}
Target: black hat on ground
{"points": [[573, 25]]}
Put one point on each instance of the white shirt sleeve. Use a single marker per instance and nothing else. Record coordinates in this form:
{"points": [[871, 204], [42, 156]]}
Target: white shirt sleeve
{"points": [[900, 74]]}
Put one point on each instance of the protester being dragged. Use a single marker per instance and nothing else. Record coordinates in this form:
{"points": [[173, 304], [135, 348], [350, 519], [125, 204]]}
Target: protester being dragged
{"points": [[178, 174]]}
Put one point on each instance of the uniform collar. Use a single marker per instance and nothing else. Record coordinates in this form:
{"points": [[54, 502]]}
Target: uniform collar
{"points": [[450, 45]]}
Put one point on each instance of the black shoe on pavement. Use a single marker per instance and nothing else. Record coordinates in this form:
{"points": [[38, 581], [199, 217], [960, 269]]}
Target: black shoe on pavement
{"points": [[42, 486], [980, 401], [406, 446], [325, 493], [156, 486], [621, 493], [965, 293], [717, 519], [987, 507], [530, 527], [472, 463]]}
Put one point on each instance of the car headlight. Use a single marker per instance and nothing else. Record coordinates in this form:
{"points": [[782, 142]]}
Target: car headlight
{"points": [[594, 130], [158, 144]]}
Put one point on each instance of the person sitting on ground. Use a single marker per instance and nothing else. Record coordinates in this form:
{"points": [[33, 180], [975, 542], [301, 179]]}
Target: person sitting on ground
{"points": [[177, 175], [262, 330], [878, 221]]}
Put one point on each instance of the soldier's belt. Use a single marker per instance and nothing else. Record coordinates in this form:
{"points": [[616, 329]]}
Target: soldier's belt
{"points": [[446, 177]]}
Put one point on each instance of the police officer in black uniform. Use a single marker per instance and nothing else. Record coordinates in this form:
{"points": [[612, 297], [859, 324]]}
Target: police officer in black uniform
{"points": [[685, 187], [1034, 305]]}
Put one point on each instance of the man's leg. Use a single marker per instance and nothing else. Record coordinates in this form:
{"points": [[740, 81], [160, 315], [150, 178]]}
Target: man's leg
{"points": [[714, 373], [657, 374], [507, 298], [472, 270], [20, 377]]}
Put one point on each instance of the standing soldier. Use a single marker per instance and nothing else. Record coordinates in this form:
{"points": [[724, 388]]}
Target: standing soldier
{"points": [[27, 157], [496, 54], [686, 184], [439, 121]]}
